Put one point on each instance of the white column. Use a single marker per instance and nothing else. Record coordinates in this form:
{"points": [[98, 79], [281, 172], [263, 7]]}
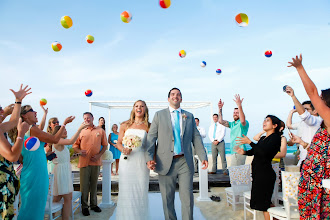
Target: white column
{"points": [[90, 107], [106, 185], [109, 127], [203, 183]]}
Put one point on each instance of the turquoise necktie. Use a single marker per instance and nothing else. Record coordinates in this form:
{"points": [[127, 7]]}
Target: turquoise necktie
{"points": [[215, 130], [177, 132]]}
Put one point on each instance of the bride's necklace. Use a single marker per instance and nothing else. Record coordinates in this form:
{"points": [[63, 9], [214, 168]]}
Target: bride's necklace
{"points": [[138, 123]]}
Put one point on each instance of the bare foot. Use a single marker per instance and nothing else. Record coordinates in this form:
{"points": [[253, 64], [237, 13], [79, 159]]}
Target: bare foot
{"points": [[113, 174]]}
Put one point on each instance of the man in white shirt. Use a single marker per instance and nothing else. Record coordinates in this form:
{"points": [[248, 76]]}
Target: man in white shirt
{"points": [[203, 135], [216, 134], [310, 122]]}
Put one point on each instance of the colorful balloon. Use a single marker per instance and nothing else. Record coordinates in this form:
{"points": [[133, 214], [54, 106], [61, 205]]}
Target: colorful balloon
{"points": [[218, 71], [57, 46], [203, 64], [126, 16], [66, 22], [43, 101], [242, 20], [268, 53], [294, 107], [165, 3], [89, 39], [182, 54], [32, 143], [88, 93]]}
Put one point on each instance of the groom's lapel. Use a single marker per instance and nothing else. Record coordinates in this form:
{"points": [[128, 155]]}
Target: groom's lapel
{"points": [[183, 121], [169, 120]]}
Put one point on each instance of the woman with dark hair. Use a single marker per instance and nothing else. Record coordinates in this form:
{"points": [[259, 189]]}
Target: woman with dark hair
{"points": [[263, 175], [102, 123], [313, 199]]}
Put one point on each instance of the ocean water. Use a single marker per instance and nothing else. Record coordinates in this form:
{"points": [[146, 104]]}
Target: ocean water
{"points": [[291, 149]]}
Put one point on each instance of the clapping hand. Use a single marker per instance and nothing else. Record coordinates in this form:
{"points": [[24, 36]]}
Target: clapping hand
{"points": [[238, 100], [21, 93], [296, 62], [220, 104], [82, 126], [243, 140], [295, 139]]}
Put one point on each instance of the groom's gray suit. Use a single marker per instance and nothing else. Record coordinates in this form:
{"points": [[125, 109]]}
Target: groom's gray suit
{"points": [[160, 146]]}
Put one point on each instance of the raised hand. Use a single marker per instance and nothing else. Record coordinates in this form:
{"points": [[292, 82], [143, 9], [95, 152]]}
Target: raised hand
{"points": [[243, 140], [45, 110], [220, 104], [293, 111], [21, 93], [68, 120], [22, 127], [296, 62], [82, 126], [289, 91], [238, 100], [8, 109]]}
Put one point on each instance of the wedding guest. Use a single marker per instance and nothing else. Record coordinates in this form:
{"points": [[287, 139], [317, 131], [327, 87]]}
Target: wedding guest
{"points": [[52, 123], [238, 127], [313, 199], [102, 123], [89, 145], [283, 150], [34, 176], [309, 124], [63, 186], [263, 175], [216, 135], [112, 140], [203, 135], [9, 182]]}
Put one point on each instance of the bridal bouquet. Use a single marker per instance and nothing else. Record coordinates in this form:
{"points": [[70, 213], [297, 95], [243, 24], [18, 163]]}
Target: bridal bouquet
{"points": [[131, 141]]}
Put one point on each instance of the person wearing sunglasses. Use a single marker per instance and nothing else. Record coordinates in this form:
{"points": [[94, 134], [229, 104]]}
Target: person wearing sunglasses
{"points": [[52, 123], [34, 176]]}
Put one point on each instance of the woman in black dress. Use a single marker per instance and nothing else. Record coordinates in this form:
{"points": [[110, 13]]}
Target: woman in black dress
{"points": [[263, 175]]}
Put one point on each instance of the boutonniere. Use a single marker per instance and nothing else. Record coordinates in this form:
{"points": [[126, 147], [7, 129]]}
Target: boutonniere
{"points": [[97, 134], [184, 116]]}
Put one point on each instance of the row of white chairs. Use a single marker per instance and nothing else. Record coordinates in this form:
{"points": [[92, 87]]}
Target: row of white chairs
{"points": [[54, 207], [240, 192]]}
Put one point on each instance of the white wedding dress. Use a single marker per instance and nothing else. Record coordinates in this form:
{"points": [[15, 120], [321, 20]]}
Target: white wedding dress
{"points": [[133, 182]]}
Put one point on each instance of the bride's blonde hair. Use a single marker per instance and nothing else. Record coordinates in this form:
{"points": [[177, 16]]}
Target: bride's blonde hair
{"points": [[145, 120]]}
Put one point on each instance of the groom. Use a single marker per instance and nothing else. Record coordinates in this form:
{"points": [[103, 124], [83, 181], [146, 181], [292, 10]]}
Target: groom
{"points": [[174, 130]]}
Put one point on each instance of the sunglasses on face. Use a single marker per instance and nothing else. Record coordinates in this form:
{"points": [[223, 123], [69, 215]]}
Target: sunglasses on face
{"points": [[55, 122], [0, 108], [25, 112]]}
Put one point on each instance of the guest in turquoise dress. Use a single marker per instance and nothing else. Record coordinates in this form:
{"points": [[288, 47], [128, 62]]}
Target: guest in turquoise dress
{"points": [[112, 140], [34, 176]]}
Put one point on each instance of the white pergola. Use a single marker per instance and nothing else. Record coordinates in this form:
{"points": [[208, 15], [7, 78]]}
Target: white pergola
{"points": [[192, 105]]}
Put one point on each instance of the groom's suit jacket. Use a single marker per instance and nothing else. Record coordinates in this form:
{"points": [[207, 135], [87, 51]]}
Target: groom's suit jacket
{"points": [[160, 141]]}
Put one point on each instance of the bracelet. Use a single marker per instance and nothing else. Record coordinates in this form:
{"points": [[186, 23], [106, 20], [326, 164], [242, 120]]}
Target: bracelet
{"points": [[20, 138], [63, 125], [18, 102]]}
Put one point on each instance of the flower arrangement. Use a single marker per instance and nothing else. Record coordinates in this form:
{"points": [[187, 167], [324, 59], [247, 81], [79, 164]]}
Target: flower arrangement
{"points": [[107, 155], [132, 141]]}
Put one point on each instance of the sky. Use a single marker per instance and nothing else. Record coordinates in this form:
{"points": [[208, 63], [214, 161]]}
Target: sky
{"points": [[140, 60]]}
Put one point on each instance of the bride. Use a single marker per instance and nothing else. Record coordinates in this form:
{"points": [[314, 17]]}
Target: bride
{"points": [[133, 172]]}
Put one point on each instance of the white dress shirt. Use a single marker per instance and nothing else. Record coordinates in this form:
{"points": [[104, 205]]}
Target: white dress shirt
{"points": [[201, 131], [173, 114], [219, 134], [306, 130]]}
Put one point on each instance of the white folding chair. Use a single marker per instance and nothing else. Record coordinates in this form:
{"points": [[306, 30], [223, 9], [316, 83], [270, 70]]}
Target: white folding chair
{"points": [[76, 199], [275, 198], [290, 182], [240, 180], [52, 207]]}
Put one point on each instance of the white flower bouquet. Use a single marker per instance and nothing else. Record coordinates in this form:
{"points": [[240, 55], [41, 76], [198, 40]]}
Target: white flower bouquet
{"points": [[131, 141], [107, 155]]}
